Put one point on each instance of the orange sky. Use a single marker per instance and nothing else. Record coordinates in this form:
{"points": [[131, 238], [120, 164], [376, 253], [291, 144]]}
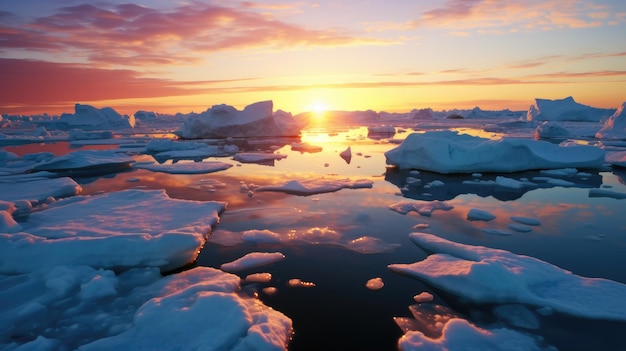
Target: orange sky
{"points": [[342, 55]]}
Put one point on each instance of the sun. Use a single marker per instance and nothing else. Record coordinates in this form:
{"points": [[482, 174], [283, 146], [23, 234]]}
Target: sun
{"points": [[319, 109]]}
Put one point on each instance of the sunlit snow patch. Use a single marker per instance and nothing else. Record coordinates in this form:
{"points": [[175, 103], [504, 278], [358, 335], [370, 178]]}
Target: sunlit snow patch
{"points": [[130, 228], [491, 276], [317, 186]]}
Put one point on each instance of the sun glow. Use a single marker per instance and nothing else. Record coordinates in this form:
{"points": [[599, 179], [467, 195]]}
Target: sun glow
{"points": [[319, 109]]}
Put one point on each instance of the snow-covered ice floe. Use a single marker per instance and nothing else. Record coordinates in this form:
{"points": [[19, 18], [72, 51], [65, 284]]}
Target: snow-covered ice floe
{"points": [[82, 308], [424, 208], [616, 158], [38, 190], [119, 230], [615, 126], [316, 186], [450, 152], [86, 162], [491, 276]]}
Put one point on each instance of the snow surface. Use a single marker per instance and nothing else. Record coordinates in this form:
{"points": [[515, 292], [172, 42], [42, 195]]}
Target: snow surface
{"points": [[450, 152], [125, 229], [459, 334], [492, 276], [316, 186], [82, 308], [38, 190]]}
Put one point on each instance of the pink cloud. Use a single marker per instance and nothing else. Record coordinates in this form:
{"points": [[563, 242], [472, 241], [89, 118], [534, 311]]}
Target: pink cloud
{"points": [[39, 83], [110, 34], [527, 15]]}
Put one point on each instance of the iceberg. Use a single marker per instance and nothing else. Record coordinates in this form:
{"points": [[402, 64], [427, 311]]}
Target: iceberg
{"points": [[566, 110], [87, 117], [615, 126], [255, 120], [450, 152]]}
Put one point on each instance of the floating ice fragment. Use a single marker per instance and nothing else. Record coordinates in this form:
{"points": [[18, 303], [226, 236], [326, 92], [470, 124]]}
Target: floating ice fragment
{"points": [[476, 214], [317, 186], [257, 157], [305, 147], [375, 284], [298, 283], [424, 208], [258, 278], [423, 297], [606, 193], [252, 260]]}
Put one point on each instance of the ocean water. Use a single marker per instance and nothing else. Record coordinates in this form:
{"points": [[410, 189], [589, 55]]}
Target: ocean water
{"points": [[579, 233]]}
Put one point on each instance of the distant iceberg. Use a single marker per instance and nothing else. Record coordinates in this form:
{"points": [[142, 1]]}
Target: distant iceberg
{"points": [[615, 126], [566, 110], [87, 117], [450, 152], [255, 120]]}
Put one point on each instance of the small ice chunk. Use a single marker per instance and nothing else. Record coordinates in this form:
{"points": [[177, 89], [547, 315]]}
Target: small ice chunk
{"points": [[299, 283], [186, 168], [375, 284], [257, 157], [421, 226], [423, 297], [606, 193], [476, 214], [251, 260], [258, 278], [424, 208], [317, 186], [346, 155], [269, 291]]}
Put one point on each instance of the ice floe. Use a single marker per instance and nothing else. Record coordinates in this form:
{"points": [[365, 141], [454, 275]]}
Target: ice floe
{"points": [[526, 220], [38, 191], [475, 214], [306, 147], [424, 208], [450, 152], [607, 193], [616, 158], [86, 162], [317, 186], [125, 229], [375, 283], [185, 168], [491, 276]]}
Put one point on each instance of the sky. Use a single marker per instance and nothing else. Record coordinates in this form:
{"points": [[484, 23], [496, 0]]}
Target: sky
{"points": [[396, 55]]}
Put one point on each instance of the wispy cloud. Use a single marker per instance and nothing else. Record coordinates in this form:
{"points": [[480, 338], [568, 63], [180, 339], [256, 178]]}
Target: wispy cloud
{"points": [[138, 35], [485, 15]]}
